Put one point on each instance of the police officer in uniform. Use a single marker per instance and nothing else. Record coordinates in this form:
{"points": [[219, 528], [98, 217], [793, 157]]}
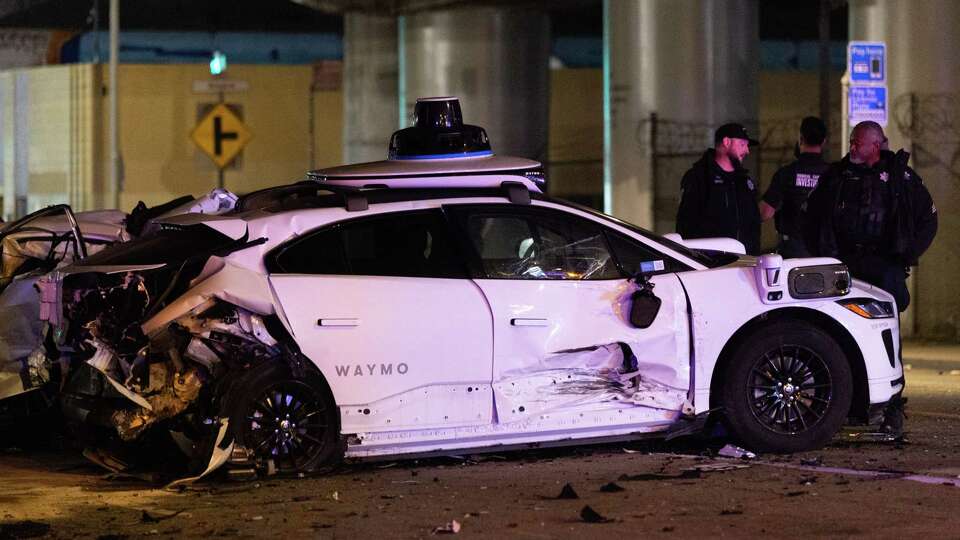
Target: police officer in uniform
{"points": [[872, 211], [718, 197], [792, 184]]}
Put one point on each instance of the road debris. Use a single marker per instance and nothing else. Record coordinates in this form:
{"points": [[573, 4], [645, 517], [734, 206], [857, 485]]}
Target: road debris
{"points": [[643, 477], [453, 527], [568, 493], [719, 467], [611, 487], [736, 452], [589, 515], [157, 516]]}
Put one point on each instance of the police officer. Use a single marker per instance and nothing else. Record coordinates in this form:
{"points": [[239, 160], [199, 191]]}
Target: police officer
{"points": [[792, 184], [873, 212], [718, 197]]}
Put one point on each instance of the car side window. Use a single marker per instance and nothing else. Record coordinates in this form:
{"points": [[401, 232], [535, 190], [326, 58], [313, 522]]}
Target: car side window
{"points": [[409, 244], [539, 245], [636, 258]]}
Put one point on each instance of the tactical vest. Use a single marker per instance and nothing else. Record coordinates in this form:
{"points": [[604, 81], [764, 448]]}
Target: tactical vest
{"points": [[861, 215]]}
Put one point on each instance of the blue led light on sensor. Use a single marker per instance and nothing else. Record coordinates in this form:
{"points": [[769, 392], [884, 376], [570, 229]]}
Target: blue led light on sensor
{"points": [[480, 153]]}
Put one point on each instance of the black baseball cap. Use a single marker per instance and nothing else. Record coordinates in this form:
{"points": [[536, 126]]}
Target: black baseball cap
{"points": [[733, 131]]}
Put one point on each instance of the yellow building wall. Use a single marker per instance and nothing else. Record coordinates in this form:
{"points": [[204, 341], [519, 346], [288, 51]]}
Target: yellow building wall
{"points": [[55, 109], [159, 109], [575, 136], [64, 124]]}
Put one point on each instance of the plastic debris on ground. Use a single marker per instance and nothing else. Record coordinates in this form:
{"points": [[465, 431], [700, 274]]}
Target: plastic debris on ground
{"points": [[736, 452], [450, 528]]}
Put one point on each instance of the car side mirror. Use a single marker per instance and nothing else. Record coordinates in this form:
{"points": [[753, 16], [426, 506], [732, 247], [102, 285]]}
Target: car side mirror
{"points": [[644, 305]]}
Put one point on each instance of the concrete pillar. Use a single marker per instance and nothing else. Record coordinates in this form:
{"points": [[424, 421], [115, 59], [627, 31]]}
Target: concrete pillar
{"points": [[495, 59], [692, 63], [370, 102], [923, 74]]}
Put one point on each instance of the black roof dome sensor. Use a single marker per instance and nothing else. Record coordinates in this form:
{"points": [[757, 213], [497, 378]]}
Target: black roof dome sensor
{"points": [[439, 133]]}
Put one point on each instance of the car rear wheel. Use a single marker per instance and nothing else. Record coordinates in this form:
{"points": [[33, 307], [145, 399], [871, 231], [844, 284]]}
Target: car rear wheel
{"points": [[788, 388], [289, 424]]}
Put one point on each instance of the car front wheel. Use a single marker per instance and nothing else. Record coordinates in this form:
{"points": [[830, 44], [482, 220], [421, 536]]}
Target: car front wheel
{"points": [[788, 388]]}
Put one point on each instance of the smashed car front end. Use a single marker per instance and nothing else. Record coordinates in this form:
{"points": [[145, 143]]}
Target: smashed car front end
{"points": [[150, 335]]}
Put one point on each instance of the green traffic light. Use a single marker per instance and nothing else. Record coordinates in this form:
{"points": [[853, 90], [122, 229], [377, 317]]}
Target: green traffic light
{"points": [[218, 63]]}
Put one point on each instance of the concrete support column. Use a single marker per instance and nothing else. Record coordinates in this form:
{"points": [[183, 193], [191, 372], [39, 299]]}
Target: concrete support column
{"points": [[923, 74], [692, 63], [369, 85], [495, 59]]}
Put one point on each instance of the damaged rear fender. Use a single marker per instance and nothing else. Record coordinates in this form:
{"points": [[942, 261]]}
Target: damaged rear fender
{"points": [[233, 284]]}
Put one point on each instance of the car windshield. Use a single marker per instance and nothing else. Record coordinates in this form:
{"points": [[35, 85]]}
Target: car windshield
{"points": [[708, 258]]}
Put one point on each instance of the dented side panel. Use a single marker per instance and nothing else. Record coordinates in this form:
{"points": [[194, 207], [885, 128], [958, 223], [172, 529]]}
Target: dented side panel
{"points": [[562, 345]]}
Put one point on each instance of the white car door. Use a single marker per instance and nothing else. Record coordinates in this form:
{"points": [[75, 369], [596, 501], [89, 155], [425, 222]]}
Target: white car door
{"points": [[383, 306], [560, 300]]}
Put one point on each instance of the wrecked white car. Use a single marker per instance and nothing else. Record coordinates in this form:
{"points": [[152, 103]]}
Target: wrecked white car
{"points": [[32, 246], [438, 301]]}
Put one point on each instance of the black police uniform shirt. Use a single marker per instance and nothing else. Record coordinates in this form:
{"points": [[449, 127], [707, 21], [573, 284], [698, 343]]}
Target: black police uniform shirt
{"points": [[716, 203], [850, 214], [789, 189]]}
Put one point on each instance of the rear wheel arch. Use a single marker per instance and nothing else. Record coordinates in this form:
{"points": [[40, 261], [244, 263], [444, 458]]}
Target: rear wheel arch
{"points": [[860, 404]]}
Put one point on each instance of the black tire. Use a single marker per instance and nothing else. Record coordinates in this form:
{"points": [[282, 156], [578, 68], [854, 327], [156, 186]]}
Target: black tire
{"points": [[764, 406], [293, 422]]}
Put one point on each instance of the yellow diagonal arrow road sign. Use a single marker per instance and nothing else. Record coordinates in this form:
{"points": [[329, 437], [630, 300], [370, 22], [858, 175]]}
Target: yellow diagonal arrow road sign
{"points": [[221, 135]]}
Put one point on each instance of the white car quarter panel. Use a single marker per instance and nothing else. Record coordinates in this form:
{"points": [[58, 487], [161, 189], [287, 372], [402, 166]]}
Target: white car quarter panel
{"points": [[397, 351]]}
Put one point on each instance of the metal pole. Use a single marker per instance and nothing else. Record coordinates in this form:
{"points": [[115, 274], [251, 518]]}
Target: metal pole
{"points": [[825, 61], [114, 90]]}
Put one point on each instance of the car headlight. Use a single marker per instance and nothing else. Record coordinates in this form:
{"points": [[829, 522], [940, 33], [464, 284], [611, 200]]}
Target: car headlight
{"points": [[869, 308]]}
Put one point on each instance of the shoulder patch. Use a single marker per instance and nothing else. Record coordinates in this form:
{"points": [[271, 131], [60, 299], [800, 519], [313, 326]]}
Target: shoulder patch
{"points": [[933, 208], [750, 184]]}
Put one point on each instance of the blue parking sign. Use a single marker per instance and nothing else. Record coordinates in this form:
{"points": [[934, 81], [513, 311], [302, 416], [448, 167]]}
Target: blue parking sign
{"points": [[866, 62], [867, 103]]}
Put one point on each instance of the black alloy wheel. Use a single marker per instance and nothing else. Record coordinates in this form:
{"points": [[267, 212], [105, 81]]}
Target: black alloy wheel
{"points": [[791, 389], [787, 388], [290, 422]]}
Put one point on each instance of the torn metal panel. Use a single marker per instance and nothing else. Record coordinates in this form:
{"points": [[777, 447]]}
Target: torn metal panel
{"points": [[571, 360], [19, 336], [233, 284], [222, 449], [582, 377], [216, 201]]}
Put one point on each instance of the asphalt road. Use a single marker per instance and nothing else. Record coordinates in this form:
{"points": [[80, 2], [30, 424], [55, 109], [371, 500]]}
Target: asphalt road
{"points": [[851, 488]]}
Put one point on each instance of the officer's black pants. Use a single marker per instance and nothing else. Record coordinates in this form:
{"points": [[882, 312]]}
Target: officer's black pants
{"points": [[792, 248], [885, 273]]}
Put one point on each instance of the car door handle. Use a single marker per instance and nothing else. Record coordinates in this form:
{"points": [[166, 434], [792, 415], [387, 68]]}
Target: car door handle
{"points": [[338, 322], [529, 322]]}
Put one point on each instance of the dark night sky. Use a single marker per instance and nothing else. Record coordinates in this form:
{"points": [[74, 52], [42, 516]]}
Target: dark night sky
{"points": [[788, 20]]}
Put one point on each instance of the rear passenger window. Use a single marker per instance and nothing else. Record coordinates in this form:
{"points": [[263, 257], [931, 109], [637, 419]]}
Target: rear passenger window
{"points": [[410, 244]]}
